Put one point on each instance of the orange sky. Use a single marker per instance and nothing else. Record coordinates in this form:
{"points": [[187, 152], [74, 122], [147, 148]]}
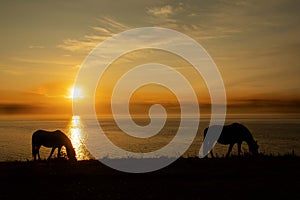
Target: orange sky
{"points": [[255, 45]]}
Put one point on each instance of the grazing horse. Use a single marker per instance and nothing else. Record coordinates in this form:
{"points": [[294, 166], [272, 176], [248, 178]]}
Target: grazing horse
{"points": [[236, 133], [52, 139]]}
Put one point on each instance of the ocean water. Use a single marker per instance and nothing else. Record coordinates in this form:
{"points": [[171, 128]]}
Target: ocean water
{"points": [[274, 135]]}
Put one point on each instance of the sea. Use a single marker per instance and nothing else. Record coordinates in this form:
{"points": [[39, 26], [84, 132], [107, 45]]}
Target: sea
{"points": [[275, 134]]}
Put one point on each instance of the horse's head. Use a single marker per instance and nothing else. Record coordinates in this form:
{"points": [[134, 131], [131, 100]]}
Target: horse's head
{"points": [[253, 147], [71, 154]]}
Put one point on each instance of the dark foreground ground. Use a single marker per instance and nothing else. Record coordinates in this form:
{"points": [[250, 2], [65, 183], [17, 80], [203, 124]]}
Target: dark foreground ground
{"points": [[265, 177]]}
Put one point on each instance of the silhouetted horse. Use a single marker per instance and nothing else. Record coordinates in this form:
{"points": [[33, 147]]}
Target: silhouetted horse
{"points": [[236, 133], [52, 139]]}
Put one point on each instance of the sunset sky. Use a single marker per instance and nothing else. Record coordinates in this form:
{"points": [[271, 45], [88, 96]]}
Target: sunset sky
{"points": [[255, 44]]}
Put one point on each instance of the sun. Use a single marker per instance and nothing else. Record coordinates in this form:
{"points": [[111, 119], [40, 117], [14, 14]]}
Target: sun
{"points": [[75, 93]]}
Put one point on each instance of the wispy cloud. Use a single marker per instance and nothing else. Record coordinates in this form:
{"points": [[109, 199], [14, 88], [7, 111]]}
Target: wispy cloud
{"points": [[112, 25], [194, 20], [175, 16], [107, 27], [264, 105], [5, 70], [161, 11], [36, 47], [12, 108], [37, 61], [52, 90], [82, 45]]}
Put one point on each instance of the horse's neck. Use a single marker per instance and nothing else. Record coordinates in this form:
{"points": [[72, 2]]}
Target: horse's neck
{"points": [[249, 138], [65, 141], [68, 144]]}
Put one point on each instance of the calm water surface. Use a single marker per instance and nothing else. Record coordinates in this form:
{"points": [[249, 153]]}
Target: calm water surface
{"points": [[277, 136]]}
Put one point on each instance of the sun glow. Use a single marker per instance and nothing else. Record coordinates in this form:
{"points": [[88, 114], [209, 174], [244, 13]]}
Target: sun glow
{"points": [[75, 93]]}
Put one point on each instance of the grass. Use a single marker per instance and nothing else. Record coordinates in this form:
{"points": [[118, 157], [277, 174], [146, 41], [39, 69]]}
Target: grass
{"points": [[265, 176]]}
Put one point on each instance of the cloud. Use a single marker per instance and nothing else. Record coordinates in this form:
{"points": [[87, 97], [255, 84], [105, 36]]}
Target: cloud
{"points": [[255, 105], [44, 99], [112, 25], [9, 109], [161, 11], [15, 109], [42, 61], [196, 19], [107, 28], [52, 90], [36, 47], [74, 45]]}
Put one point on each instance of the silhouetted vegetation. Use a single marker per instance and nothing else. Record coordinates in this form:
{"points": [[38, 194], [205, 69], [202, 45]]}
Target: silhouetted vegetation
{"points": [[266, 176]]}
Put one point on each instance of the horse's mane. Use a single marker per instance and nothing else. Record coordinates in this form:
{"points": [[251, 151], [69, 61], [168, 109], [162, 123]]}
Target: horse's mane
{"points": [[245, 130], [68, 144]]}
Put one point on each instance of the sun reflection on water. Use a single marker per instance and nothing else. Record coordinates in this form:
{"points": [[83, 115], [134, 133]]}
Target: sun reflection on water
{"points": [[77, 136]]}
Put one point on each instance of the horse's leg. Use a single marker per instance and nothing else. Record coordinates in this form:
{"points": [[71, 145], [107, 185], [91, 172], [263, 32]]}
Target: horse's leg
{"points": [[38, 152], [58, 151], [53, 148], [239, 148], [212, 154], [229, 150], [34, 153]]}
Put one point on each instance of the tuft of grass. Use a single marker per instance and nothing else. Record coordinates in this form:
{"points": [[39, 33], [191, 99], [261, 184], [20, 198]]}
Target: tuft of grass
{"points": [[261, 155]]}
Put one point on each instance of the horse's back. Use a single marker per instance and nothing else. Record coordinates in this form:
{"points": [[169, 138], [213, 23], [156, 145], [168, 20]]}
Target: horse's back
{"points": [[49, 138], [50, 133], [233, 133]]}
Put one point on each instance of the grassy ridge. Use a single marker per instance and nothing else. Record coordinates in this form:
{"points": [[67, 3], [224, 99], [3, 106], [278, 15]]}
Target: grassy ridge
{"points": [[265, 176]]}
